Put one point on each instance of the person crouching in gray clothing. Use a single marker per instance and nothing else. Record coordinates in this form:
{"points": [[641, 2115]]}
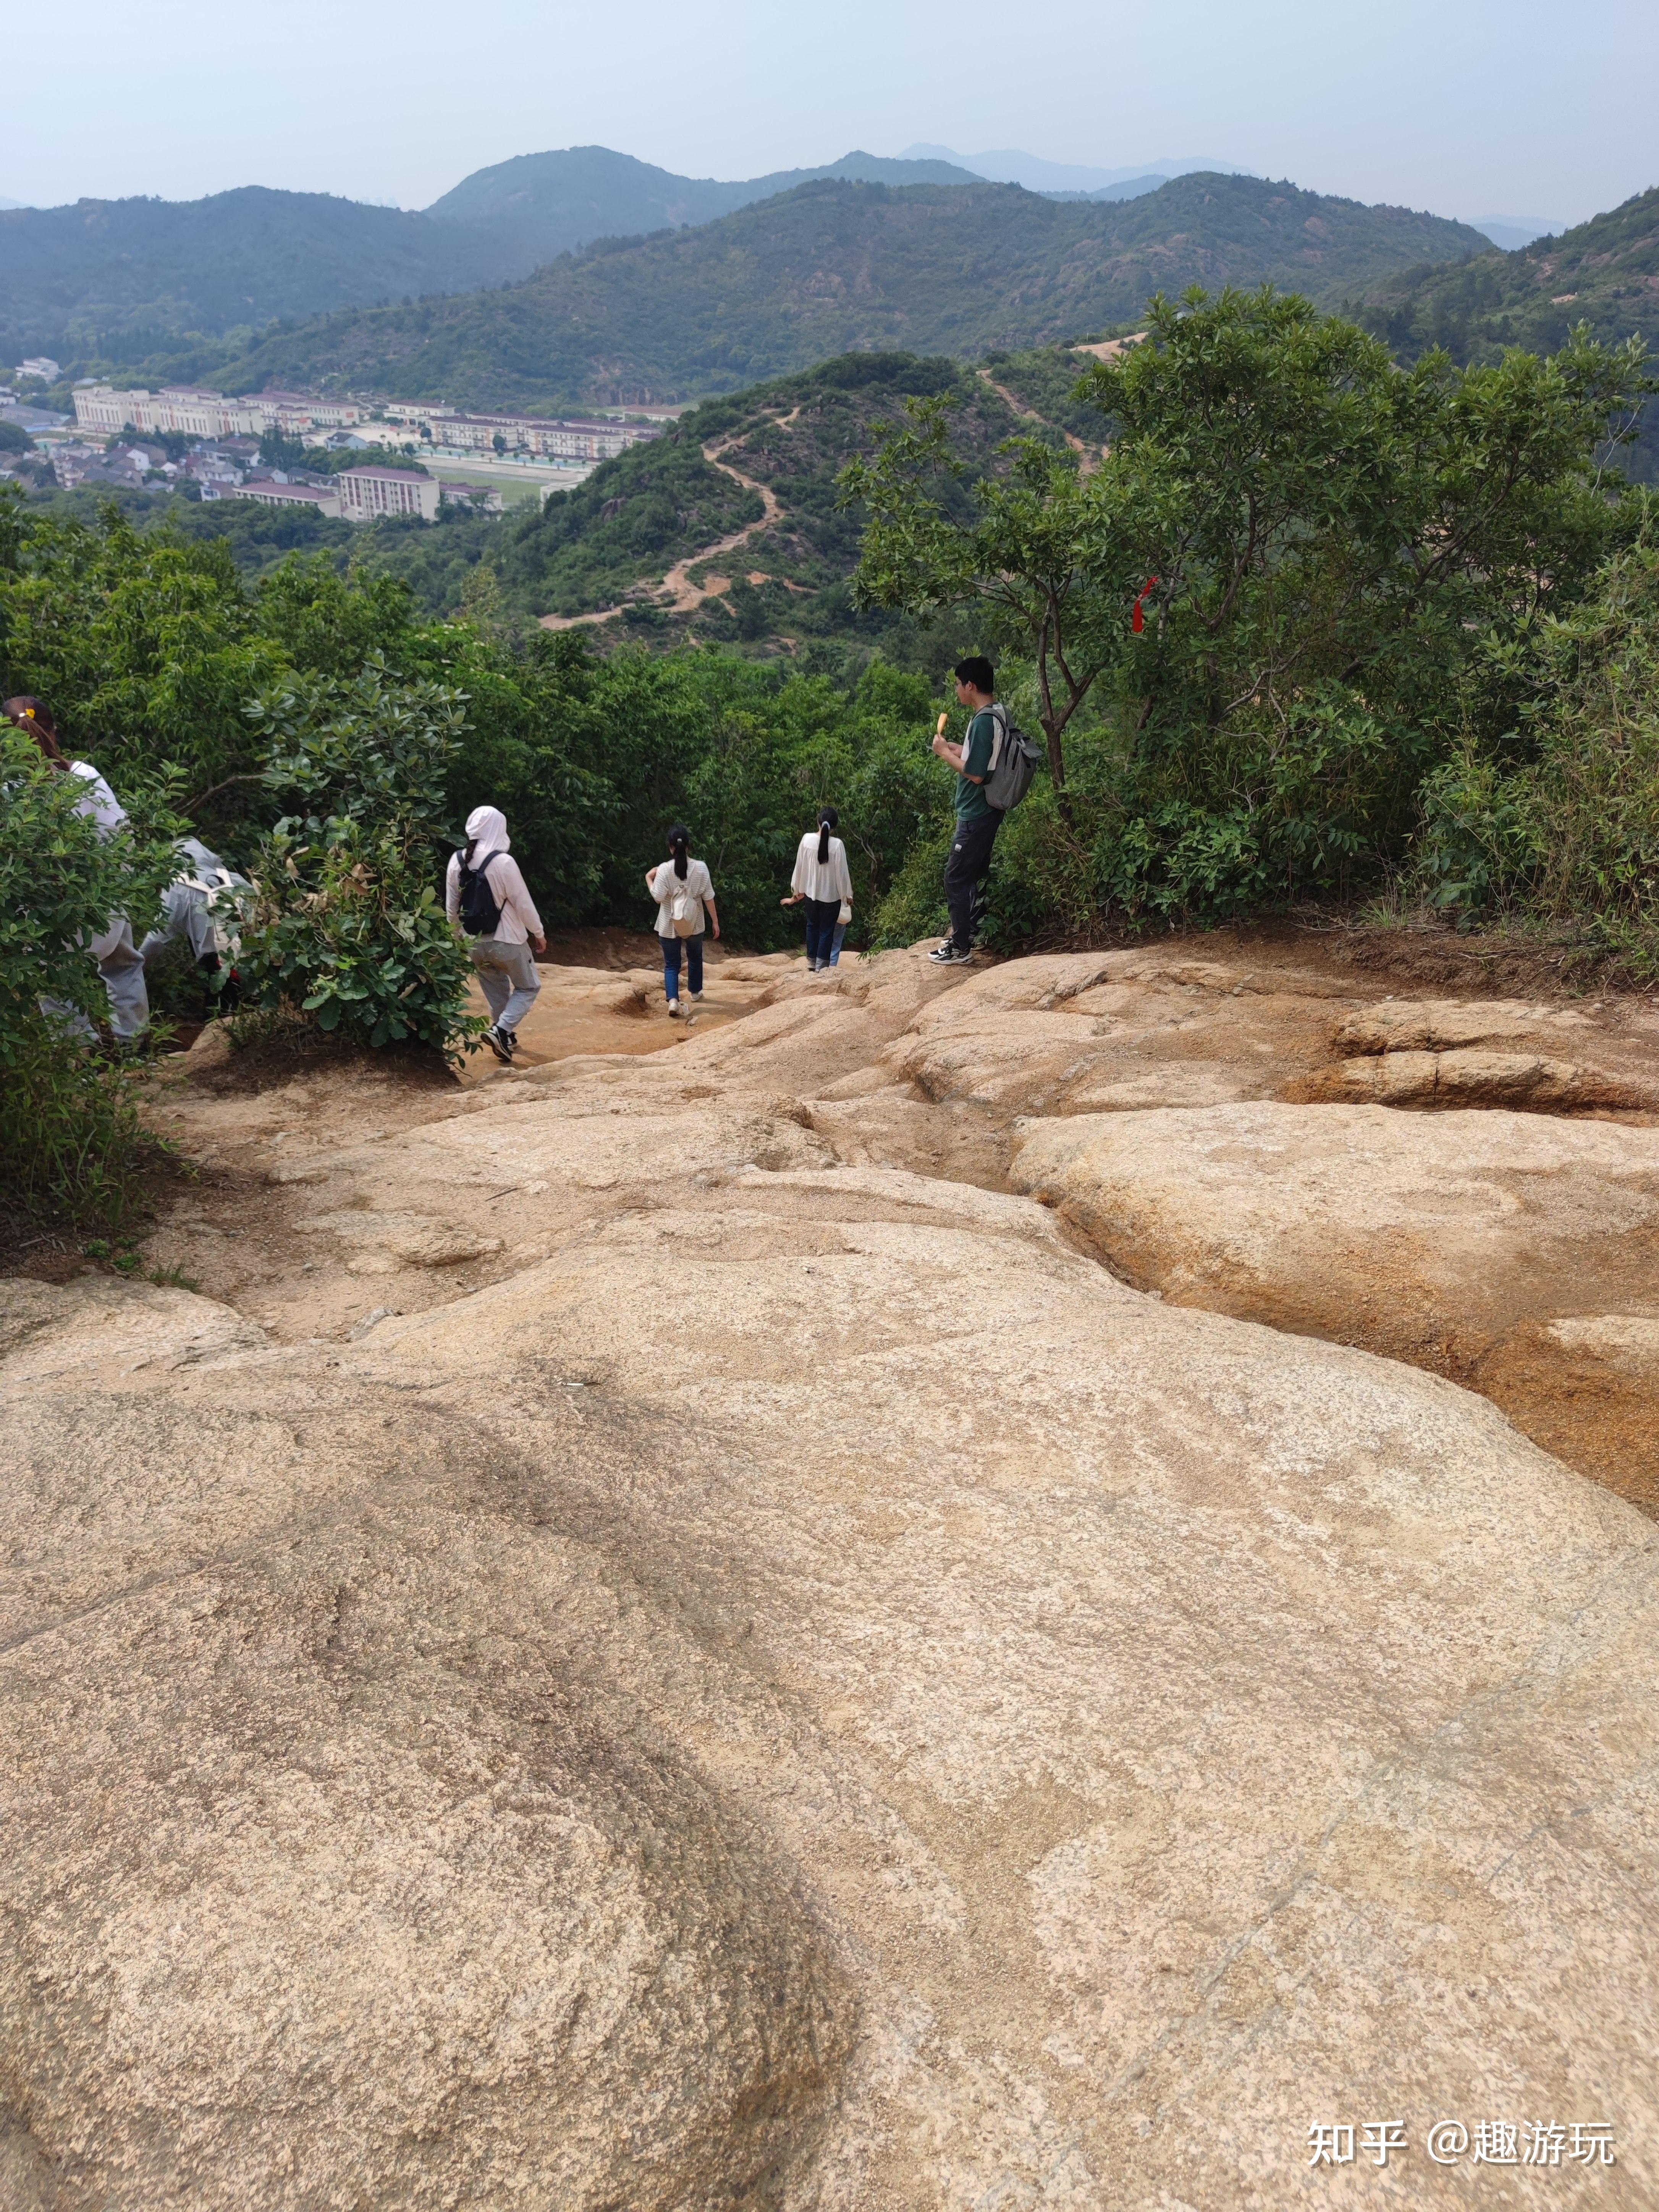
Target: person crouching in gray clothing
{"points": [[487, 900], [188, 913]]}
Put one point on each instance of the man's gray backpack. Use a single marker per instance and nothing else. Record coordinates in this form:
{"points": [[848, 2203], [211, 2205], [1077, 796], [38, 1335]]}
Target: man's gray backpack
{"points": [[1014, 758]]}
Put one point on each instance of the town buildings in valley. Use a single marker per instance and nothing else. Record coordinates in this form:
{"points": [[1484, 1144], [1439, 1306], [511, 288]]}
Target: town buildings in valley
{"points": [[475, 460]]}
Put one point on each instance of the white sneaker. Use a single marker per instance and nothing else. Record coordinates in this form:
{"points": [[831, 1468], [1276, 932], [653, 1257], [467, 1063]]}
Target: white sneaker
{"points": [[673, 1010]]}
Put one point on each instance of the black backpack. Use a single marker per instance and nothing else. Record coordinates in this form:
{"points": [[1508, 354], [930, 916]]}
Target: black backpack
{"points": [[480, 912]]}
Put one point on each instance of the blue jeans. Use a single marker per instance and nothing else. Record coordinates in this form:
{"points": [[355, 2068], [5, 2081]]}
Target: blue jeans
{"points": [[822, 916], [835, 942], [672, 948]]}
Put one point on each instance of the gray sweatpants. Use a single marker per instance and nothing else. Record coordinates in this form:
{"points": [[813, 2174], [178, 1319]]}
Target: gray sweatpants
{"points": [[507, 975], [122, 971]]}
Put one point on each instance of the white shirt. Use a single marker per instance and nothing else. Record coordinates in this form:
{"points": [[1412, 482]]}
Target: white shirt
{"points": [[98, 800], [664, 885], [519, 919], [822, 879]]}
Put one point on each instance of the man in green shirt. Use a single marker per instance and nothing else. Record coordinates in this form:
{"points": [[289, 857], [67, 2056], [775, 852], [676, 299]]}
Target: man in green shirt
{"points": [[977, 820]]}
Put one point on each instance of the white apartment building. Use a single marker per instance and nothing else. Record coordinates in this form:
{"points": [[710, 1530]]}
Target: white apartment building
{"points": [[41, 365], [548, 441], [179, 407], [269, 494], [295, 412], [367, 494], [574, 439], [199, 414]]}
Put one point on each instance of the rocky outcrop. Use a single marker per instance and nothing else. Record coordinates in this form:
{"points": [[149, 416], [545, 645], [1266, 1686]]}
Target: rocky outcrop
{"points": [[788, 1683], [1440, 1239]]}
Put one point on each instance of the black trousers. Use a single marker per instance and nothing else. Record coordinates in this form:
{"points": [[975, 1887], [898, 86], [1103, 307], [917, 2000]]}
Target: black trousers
{"points": [[966, 869]]}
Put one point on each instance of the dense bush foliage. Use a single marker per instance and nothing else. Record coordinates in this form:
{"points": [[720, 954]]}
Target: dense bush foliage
{"points": [[343, 923], [152, 651], [68, 1128], [1561, 818], [1341, 569]]}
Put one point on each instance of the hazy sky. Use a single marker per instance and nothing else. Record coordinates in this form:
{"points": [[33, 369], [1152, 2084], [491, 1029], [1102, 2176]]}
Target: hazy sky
{"points": [[1467, 107]]}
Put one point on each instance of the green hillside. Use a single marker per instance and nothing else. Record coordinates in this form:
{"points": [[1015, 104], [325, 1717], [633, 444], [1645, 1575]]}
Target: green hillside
{"points": [[1605, 273], [120, 279], [835, 266], [609, 543], [106, 276]]}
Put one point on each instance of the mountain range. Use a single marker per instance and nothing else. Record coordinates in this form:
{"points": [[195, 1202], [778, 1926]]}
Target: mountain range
{"points": [[831, 266], [111, 283], [114, 277], [1008, 165]]}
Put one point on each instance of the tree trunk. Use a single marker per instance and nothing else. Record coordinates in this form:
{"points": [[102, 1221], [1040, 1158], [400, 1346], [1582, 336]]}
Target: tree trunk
{"points": [[1057, 768]]}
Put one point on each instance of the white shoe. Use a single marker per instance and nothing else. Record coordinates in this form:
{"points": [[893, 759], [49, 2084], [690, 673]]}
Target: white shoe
{"points": [[673, 1010]]}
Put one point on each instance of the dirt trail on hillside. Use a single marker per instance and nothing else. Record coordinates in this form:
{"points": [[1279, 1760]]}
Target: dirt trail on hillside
{"points": [[682, 595], [754, 1617], [1088, 456]]}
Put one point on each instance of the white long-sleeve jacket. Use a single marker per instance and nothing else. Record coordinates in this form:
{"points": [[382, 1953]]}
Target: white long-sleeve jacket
{"points": [[822, 879]]}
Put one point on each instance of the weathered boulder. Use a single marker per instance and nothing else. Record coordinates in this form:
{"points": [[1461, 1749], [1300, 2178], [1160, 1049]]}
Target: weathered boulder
{"points": [[1434, 1238], [1081, 1032]]}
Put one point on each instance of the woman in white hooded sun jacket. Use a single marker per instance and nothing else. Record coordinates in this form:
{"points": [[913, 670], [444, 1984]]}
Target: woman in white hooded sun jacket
{"points": [[486, 899]]}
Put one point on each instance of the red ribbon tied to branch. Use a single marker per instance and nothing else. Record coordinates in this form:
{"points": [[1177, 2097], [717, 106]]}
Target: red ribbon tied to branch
{"points": [[1138, 620]]}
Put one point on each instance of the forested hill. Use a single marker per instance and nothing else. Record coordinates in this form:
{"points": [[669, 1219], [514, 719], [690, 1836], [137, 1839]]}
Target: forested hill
{"points": [[1605, 272], [115, 278], [764, 463], [540, 205], [833, 266], [105, 276]]}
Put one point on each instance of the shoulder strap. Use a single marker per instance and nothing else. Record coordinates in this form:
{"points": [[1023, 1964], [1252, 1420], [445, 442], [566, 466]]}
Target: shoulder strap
{"points": [[998, 715]]}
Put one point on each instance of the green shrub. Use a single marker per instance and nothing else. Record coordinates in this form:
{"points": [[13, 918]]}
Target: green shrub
{"points": [[71, 1138], [69, 1132], [1560, 823], [343, 926]]}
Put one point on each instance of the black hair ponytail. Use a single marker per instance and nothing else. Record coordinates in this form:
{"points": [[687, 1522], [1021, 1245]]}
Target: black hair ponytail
{"points": [[679, 840], [828, 818]]}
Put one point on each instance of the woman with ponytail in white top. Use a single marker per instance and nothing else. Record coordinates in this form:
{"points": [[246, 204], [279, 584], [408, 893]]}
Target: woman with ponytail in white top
{"points": [[685, 893], [821, 879]]}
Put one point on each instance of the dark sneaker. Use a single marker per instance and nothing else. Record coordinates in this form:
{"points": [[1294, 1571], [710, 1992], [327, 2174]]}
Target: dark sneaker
{"points": [[950, 956], [500, 1043]]}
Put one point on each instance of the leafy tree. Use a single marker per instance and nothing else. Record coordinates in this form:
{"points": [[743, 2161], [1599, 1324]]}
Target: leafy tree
{"points": [[146, 647], [343, 924], [1025, 560]]}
